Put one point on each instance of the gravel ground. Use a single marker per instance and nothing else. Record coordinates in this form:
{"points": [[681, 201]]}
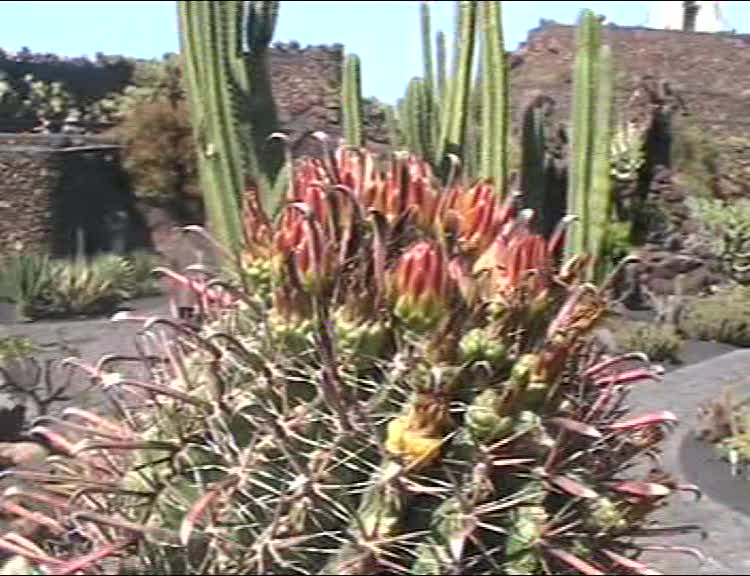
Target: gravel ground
{"points": [[90, 339]]}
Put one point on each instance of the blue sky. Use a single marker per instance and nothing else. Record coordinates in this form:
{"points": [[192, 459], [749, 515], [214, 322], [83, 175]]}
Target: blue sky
{"points": [[385, 34]]}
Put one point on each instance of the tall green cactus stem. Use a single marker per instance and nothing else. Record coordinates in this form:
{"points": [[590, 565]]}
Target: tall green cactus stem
{"points": [[352, 101], [429, 70], [533, 161], [418, 127], [223, 48], [600, 201], [441, 64], [255, 104], [494, 143], [394, 135], [588, 196], [456, 112]]}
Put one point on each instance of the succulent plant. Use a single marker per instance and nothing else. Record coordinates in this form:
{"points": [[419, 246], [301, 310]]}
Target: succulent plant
{"points": [[41, 287], [418, 395], [720, 317], [659, 341], [725, 423]]}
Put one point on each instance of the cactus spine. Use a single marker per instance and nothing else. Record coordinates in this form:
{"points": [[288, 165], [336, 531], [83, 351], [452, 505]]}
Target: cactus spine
{"points": [[494, 142], [588, 185], [223, 48], [352, 101]]}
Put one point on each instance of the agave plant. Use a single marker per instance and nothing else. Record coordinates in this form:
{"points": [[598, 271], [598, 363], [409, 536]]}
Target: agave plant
{"points": [[82, 287], [418, 393], [25, 280]]}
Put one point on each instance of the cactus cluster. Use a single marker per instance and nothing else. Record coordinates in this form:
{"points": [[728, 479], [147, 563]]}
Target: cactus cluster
{"points": [[436, 114], [420, 393]]}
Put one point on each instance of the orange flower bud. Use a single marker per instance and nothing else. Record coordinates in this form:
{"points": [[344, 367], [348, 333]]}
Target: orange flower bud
{"points": [[476, 215]]}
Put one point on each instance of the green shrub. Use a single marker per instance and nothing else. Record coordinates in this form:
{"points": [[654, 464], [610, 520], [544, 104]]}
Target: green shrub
{"points": [[159, 153], [695, 160], [84, 288], [721, 317], [12, 347], [659, 341]]}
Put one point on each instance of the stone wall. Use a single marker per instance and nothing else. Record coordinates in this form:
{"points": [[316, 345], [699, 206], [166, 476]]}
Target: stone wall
{"points": [[710, 72], [28, 178], [307, 87], [52, 186]]}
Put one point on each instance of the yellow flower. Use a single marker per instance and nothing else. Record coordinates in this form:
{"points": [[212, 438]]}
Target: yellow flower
{"points": [[415, 447]]}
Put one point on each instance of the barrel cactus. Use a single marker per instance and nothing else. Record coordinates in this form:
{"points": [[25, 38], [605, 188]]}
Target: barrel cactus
{"points": [[414, 395]]}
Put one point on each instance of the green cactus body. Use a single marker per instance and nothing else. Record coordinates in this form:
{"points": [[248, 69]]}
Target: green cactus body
{"points": [[600, 204], [352, 101], [294, 336], [394, 135], [478, 345], [582, 121], [442, 65], [430, 94], [364, 342], [418, 137], [525, 532], [484, 420]]}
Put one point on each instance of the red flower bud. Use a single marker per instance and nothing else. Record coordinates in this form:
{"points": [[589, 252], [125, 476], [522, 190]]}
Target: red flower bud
{"points": [[422, 286]]}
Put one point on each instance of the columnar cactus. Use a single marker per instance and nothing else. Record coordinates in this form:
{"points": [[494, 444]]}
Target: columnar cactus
{"points": [[351, 96], [418, 129], [533, 160], [443, 105], [589, 175], [495, 116], [422, 394], [455, 111], [223, 45]]}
